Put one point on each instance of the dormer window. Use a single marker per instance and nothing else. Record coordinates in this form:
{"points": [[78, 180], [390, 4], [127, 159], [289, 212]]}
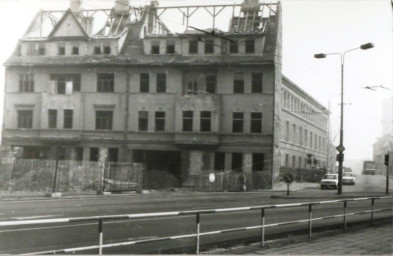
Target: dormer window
{"points": [[155, 47], [170, 47], [209, 46], [107, 50], [193, 46], [97, 50], [75, 50], [61, 50], [250, 46]]}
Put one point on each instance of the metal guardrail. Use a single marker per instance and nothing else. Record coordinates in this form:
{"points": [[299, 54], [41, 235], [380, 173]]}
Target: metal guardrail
{"points": [[198, 213]]}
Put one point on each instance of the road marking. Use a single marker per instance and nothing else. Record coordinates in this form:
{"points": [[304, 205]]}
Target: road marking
{"points": [[33, 217]]}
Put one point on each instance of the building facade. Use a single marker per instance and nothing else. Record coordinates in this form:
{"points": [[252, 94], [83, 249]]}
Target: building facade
{"points": [[181, 103], [305, 142]]}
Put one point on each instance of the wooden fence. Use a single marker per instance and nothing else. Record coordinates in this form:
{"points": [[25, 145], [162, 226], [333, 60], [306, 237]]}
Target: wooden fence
{"points": [[35, 175]]}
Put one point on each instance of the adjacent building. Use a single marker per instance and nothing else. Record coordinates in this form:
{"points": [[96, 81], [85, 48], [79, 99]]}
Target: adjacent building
{"points": [[181, 103]]}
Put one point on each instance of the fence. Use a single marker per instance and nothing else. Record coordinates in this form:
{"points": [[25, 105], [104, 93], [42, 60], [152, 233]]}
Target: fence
{"points": [[198, 213], [233, 181], [307, 175], [63, 176]]}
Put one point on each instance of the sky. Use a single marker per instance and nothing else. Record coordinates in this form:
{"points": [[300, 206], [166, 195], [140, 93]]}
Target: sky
{"points": [[309, 27]]}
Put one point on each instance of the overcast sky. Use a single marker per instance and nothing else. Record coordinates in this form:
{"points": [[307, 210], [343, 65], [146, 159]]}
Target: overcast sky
{"points": [[309, 27]]}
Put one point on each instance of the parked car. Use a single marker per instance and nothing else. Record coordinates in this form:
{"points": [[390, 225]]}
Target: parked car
{"points": [[349, 178], [329, 180]]}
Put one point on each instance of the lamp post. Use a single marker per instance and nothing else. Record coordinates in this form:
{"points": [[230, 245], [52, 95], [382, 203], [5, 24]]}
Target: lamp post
{"points": [[341, 148]]}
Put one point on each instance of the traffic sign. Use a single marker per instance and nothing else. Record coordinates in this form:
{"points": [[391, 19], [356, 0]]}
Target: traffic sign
{"points": [[340, 148]]}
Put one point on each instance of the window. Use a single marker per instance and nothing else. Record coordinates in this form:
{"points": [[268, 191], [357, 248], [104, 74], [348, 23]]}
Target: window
{"points": [[61, 50], [26, 83], [192, 87], [256, 83], [237, 162], [258, 160], [107, 50], [161, 82], [193, 46], [300, 136], [41, 50], [143, 120], [94, 154], [209, 46], [68, 117], [97, 50], [300, 162], [238, 83], [155, 47], [105, 82], [294, 133], [237, 122], [79, 154], [205, 121], [250, 46], [104, 120], [287, 131], [25, 119], [75, 50], [187, 121], [311, 144], [113, 154], [256, 122], [170, 47], [211, 83], [219, 161], [233, 46], [144, 82], [160, 121], [286, 160], [65, 83], [52, 118], [293, 161]]}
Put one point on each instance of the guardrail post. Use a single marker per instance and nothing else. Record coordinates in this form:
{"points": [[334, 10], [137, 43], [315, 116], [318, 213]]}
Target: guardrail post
{"points": [[263, 227], [198, 231], [345, 215], [372, 211], [100, 237], [310, 220]]}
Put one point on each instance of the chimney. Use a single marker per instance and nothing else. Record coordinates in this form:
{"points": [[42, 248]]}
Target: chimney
{"points": [[75, 5], [122, 7]]}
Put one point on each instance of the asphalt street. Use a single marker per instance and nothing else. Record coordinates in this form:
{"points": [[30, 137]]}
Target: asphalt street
{"points": [[38, 238]]}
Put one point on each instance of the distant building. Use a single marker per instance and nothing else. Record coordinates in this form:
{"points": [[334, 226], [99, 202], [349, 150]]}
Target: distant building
{"points": [[183, 104]]}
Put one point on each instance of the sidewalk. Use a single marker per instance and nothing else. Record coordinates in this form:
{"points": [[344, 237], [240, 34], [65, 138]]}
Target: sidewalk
{"points": [[376, 240]]}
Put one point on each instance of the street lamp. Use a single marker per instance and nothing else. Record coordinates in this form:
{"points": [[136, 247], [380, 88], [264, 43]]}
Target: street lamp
{"points": [[341, 148]]}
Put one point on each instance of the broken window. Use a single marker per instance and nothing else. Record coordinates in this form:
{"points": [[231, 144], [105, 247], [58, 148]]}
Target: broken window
{"points": [[143, 120], [94, 154], [238, 83], [250, 46], [68, 117], [256, 122], [26, 83], [105, 82], [237, 162], [170, 47], [187, 121], [155, 47], [257, 162], [205, 121], [233, 46], [25, 119], [104, 120], [193, 46], [65, 83], [209, 46], [160, 121], [113, 154], [52, 118], [161, 82], [237, 122], [144, 80], [256, 82]]}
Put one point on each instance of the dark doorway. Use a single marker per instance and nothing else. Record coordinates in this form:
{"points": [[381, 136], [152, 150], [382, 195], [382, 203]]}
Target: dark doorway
{"points": [[163, 168]]}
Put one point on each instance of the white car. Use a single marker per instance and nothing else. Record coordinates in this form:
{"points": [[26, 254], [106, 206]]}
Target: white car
{"points": [[329, 180], [349, 178]]}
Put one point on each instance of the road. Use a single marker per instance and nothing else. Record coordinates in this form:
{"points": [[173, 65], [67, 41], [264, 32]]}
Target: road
{"points": [[23, 239]]}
